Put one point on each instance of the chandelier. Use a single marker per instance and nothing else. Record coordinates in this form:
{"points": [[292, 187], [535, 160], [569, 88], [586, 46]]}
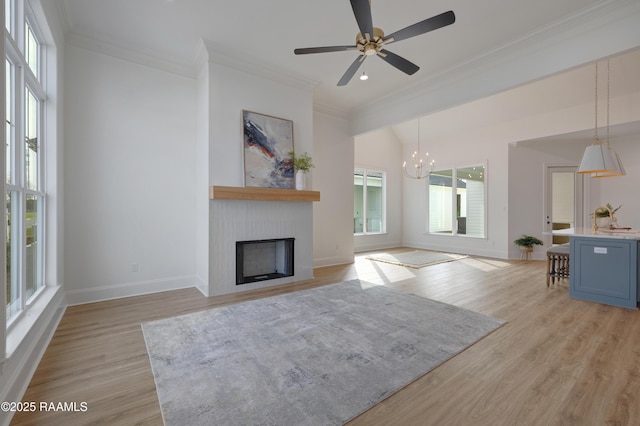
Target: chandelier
{"points": [[422, 168]]}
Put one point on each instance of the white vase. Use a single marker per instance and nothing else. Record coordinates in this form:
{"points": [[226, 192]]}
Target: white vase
{"points": [[603, 222], [300, 180]]}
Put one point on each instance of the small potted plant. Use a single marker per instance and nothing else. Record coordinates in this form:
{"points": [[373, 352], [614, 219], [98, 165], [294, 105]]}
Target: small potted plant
{"points": [[302, 163], [526, 243], [604, 216]]}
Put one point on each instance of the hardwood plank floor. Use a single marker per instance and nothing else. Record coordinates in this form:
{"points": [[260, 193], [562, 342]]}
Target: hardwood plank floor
{"points": [[557, 361]]}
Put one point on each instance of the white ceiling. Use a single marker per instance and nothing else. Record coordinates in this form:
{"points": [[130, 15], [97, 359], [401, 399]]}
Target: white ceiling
{"points": [[548, 97], [265, 33]]}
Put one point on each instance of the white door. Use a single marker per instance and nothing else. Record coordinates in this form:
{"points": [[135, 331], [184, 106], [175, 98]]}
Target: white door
{"points": [[563, 201]]}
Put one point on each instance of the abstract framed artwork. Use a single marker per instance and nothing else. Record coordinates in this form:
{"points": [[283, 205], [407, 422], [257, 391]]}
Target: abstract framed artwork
{"points": [[267, 141]]}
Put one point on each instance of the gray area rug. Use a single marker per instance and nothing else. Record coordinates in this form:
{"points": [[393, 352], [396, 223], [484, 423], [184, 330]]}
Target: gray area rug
{"points": [[313, 357], [416, 258]]}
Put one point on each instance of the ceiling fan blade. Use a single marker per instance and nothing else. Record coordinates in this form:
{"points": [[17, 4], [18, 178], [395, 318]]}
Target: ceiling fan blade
{"points": [[362, 12], [348, 75], [399, 62], [430, 24], [307, 50]]}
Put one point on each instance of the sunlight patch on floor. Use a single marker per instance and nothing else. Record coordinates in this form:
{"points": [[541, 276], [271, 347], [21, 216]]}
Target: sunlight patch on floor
{"points": [[379, 273], [485, 265]]}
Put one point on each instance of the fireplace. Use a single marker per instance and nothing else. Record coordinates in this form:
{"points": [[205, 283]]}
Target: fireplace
{"points": [[262, 260], [231, 221]]}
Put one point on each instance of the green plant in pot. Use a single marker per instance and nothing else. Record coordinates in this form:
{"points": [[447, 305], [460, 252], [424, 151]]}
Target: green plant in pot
{"points": [[302, 163], [603, 217], [526, 243], [604, 212]]}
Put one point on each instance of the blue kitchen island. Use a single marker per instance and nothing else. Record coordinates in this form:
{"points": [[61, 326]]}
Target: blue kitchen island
{"points": [[604, 266]]}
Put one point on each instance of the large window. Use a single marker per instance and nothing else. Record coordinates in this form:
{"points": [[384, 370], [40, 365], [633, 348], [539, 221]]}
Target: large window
{"points": [[457, 201], [368, 202], [24, 186]]}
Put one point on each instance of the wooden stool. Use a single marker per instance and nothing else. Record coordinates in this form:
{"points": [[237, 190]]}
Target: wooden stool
{"points": [[557, 263]]}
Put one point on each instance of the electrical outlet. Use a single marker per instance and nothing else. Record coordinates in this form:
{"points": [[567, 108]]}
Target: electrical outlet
{"points": [[135, 267]]}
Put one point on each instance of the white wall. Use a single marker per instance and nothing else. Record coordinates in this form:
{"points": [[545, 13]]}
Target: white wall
{"points": [[624, 189], [333, 155], [202, 177], [526, 187], [232, 90], [461, 149], [381, 151], [129, 178]]}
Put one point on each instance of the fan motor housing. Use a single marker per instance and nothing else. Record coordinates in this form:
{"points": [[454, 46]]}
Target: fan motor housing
{"points": [[370, 46]]}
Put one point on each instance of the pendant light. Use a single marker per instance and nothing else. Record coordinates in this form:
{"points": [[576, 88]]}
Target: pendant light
{"points": [[618, 168], [597, 156]]}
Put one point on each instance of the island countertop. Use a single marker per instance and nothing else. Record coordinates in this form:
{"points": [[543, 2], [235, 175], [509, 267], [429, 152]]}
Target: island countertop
{"points": [[632, 234]]}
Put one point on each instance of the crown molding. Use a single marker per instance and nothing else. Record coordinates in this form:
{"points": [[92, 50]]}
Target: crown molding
{"points": [[128, 54], [606, 29], [331, 110], [217, 55]]}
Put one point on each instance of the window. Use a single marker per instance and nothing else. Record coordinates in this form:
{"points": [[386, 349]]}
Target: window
{"points": [[457, 202], [13, 281], [31, 163], [8, 108], [8, 10], [32, 51], [368, 202], [24, 186]]}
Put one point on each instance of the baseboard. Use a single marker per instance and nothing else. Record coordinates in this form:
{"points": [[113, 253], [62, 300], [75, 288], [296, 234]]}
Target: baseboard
{"points": [[331, 261], [202, 286], [482, 252], [118, 291], [18, 369], [361, 248]]}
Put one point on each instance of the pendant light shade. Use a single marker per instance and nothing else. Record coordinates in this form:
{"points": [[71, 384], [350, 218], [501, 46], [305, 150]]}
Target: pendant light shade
{"points": [[597, 158], [617, 167]]}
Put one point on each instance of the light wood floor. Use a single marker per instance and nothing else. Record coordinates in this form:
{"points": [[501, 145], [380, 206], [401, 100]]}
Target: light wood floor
{"points": [[557, 361]]}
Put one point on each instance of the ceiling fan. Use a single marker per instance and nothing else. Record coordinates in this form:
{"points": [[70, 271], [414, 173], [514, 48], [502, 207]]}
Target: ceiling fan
{"points": [[371, 40]]}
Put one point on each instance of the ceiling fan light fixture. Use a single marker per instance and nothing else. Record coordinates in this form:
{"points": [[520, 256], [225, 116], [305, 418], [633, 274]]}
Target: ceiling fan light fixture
{"points": [[364, 76], [371, 40]]}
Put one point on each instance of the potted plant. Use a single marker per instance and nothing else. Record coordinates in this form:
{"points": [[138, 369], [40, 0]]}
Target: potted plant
{"points": [[603, 216], [526, 243], [302, 164]]}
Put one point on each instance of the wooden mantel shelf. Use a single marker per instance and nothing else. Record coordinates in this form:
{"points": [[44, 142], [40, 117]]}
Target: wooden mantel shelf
{"points": [[261, 194]]}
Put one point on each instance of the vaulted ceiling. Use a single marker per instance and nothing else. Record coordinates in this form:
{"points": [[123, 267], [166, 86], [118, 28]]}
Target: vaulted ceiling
{"points": [[263, 34]]}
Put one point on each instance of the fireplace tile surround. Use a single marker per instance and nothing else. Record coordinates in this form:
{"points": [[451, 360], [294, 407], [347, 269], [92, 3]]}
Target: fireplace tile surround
{"points": [[233, 220]]}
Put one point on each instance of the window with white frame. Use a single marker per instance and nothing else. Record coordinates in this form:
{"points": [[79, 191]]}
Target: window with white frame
{"points": [[8, 13], [24, 185], [457, 202], [369, 192]]}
